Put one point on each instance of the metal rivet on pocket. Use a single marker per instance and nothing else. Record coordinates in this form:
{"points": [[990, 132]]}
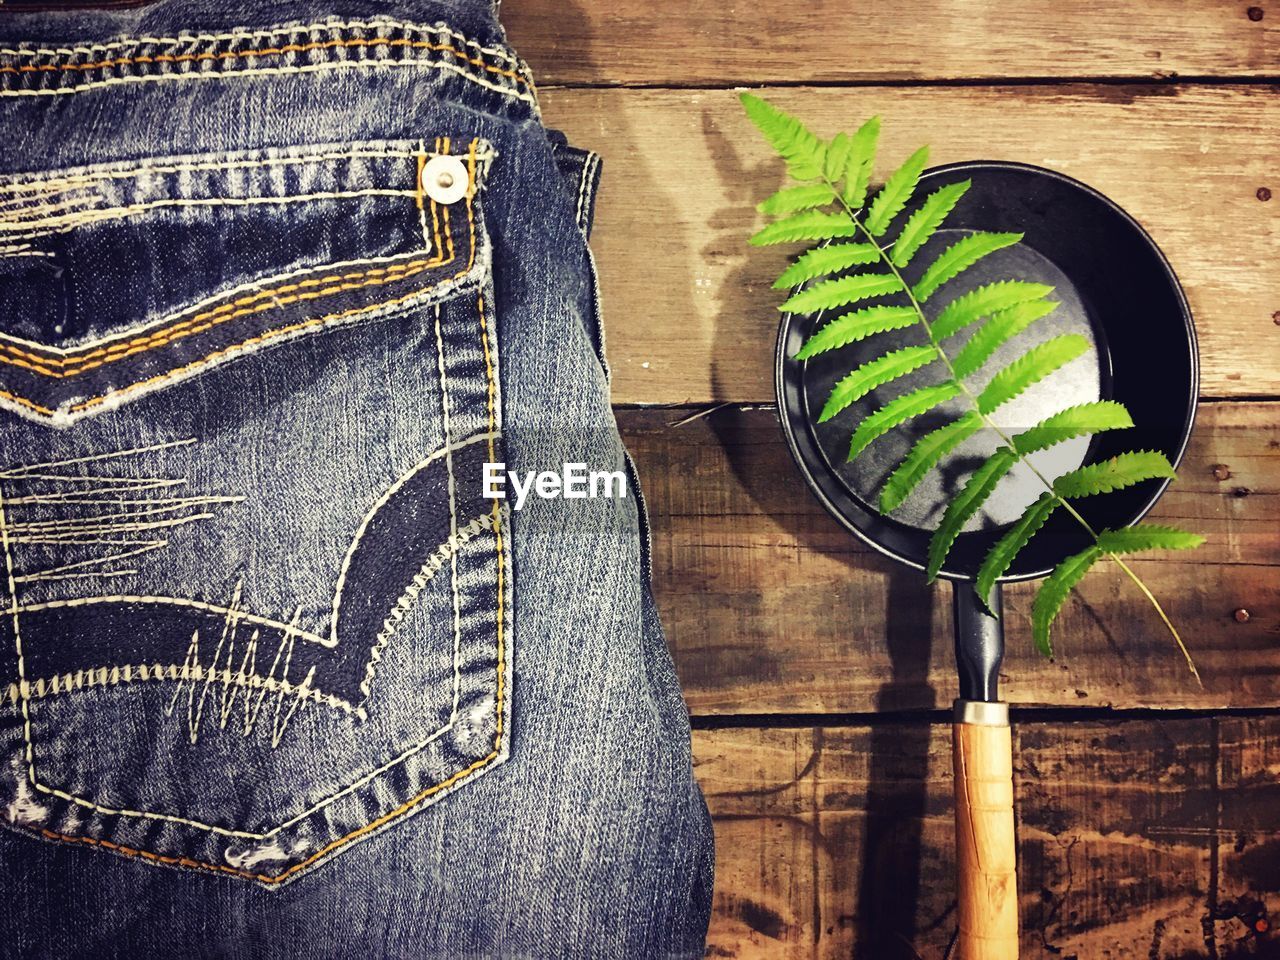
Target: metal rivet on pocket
{"points": [[445, 179]]}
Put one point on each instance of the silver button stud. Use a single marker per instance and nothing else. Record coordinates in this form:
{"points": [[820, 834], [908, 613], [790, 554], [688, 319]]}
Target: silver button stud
{"points": [[445, 179]]}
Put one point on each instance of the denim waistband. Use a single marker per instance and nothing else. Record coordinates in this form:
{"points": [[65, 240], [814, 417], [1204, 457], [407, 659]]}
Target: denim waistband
{"points": [[168, 41]]}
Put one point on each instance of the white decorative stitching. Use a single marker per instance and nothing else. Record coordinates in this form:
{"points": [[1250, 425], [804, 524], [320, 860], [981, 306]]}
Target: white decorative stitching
{"points": [[28, 468], [221, 295], [407, 599], [445, 405], [178, 601], [584, 189], [375, 24], [91, 215], [372, 511], [277, 71]]}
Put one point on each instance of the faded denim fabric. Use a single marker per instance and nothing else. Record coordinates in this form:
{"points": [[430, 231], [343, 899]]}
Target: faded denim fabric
{"points": [[278, 679]]}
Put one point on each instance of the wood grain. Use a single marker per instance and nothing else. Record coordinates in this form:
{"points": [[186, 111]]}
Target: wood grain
{"points": [[706, 43], [986, 848], [687, 303], [772, 607], [837, 842]]}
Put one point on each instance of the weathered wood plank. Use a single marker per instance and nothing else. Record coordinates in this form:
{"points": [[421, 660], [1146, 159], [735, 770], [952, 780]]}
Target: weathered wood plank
{"points": [[687, 303], [709, 43], [770, 606], [837, 842]]}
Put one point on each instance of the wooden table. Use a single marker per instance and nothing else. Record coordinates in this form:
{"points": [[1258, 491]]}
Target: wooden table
{"points": [[818, 675]]}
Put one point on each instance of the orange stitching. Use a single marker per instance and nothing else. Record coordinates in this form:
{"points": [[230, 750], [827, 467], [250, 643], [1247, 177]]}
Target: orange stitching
{"points": [[254, 341], [171, 332], [265, 52], [278, 878], [270, 334], [417, 798], [185, 329]]}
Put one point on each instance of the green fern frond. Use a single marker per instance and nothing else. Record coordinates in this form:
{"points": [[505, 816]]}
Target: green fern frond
{"points": [[898, 411], [1001, 555], [984, 301], [858, 325], [1078, 421], [807, 196], [923, 457], [837, 157], [922, 224], [1053, 594], [876, 373], [806, 225], [839, 172], [959, 257], [821, 261], [1001, 328], [896, 192], [830, 294], [1122, 470], [980, 485], [1147, 536], [862, 155], [1032, 367], [788, 136]]}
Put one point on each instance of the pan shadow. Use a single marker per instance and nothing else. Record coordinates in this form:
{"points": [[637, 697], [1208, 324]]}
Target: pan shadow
{"points": [[888, 879]]}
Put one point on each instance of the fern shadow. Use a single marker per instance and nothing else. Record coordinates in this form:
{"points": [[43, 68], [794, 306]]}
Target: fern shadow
{"points": [[888, 880]]}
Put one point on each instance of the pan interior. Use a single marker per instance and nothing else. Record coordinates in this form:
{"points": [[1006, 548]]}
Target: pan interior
{"points": [[1113, 287], [1079, 382]]}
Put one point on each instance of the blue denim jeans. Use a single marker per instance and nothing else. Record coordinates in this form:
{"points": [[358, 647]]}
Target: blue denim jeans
{"points": [[281, 676]]}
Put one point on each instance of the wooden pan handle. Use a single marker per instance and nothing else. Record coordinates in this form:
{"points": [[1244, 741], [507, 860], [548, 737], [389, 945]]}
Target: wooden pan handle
{"points": [[986, 852]]}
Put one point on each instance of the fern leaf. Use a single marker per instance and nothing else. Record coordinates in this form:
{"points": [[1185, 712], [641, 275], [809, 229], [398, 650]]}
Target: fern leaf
{"points": [[922, 224], [836, 293], [821, 261], [858, 168], [959, 257], [1002, 554], [876, 373], [1053, 594], [1002, 327], [1032, 367], [1148, 536], [788, 136], [837, 156], [895, 193], [984, 301], [858, 325], [807, 225], [926, 453], [898, 411], [807, 196], [980, 485], [1078, 421], [1122, 470]]}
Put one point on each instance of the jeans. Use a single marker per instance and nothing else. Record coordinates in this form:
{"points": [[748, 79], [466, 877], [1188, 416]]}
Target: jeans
{"points": [[281, 287]]}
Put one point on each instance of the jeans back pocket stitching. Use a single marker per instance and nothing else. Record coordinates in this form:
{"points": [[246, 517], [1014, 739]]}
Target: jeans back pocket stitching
{"points": [[378, 277], [502, 662], [89, 216]]}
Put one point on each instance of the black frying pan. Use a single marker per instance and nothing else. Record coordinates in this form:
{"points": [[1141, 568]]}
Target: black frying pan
{"points": [[1114, 287]]}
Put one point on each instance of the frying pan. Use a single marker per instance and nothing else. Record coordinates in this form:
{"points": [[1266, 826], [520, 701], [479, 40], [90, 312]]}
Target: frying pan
{"points": [[1116, 288]]}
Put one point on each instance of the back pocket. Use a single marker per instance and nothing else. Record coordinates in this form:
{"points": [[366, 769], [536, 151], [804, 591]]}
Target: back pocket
{"points": [[256, 606]]}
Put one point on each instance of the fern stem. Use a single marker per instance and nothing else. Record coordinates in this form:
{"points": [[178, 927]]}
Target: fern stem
{"points": [[991, 425], [1163, 616]]}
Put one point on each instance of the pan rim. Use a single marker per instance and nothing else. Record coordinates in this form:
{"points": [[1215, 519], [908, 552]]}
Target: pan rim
{"points": [[782, 364]]}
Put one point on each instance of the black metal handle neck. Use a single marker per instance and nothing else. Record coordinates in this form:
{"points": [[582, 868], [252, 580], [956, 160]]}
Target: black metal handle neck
{"points": [[979, 642]]}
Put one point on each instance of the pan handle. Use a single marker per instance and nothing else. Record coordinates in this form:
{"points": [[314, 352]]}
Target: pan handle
{"points": [[982, 755]]}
